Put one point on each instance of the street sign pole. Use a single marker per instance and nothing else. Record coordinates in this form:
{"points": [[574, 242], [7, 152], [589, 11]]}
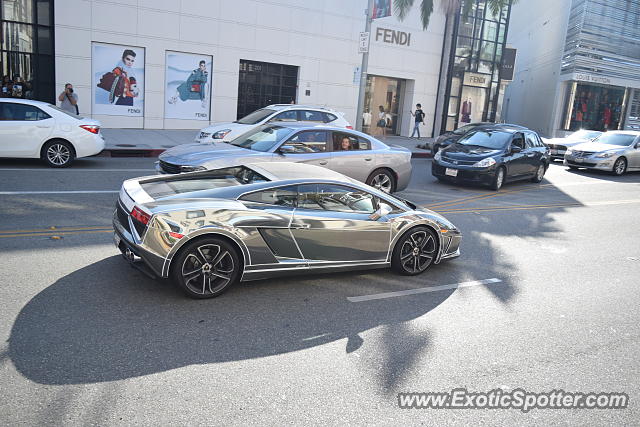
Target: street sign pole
{"points": [[364, 48]]}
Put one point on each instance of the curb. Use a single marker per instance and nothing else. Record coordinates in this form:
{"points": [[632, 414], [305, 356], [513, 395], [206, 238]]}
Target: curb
{"points": [[155, 152]]}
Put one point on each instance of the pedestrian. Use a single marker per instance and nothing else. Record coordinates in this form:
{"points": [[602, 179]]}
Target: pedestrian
{"points": [[18, 86], [419, 118], [68, 99], [7, 87], [382, 120]]}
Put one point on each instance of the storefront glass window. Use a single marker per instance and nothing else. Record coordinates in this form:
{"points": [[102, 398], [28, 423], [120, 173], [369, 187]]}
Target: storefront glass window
{"points": [[382, 92], [263, 83], [26, 49], [596, 107]]}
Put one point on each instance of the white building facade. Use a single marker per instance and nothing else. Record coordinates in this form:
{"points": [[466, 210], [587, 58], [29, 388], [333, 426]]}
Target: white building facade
{"points": [[252, 53]]}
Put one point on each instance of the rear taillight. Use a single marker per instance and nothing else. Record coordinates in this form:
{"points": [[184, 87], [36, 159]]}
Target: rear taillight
{"points": [[349, 127], [91, 128], [140, 216]]}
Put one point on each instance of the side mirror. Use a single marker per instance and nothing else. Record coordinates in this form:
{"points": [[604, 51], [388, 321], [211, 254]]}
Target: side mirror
{"points": [[637, 144], [516, 149], [383, 210], [286, 149]]}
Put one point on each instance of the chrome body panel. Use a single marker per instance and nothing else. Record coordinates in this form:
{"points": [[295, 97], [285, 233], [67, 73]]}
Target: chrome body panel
{"points": [[273, 240]]}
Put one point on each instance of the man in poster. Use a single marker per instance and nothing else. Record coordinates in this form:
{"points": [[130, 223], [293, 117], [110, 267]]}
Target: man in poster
{"points": [[120, 82], [187, 90]]}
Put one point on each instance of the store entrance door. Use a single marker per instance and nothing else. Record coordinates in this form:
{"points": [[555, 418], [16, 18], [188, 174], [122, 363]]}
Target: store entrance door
{"points": [[382, 105]]}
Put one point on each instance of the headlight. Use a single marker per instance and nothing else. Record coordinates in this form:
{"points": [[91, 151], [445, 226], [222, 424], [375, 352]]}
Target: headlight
{"points": [[485, 163], [606, 154], [438, 155], [192, 168], [204, 135], [221, 134]]}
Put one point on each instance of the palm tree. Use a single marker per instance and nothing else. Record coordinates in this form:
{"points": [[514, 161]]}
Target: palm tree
{"points": [[449, 7]]}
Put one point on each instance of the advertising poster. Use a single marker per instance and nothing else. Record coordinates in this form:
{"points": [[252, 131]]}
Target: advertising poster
{"points": [[187, 86], [118, 79], [381, 8]]}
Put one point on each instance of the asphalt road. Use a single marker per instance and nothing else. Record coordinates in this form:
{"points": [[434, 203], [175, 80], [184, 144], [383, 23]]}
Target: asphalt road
{"points": [[85, 339]]}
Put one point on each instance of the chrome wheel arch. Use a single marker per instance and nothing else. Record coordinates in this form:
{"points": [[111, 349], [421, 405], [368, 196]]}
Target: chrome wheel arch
{"points": [[426, 223]]}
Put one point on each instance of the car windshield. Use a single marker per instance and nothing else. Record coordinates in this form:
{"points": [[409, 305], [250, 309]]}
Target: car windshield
{"points": [[255, 117], [621, 139], [585, 134], [263, 138], [494, 139], [464, 129], [68, 113]]}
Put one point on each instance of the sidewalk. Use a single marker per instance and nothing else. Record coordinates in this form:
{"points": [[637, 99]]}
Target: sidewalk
{"points": [[152, 142]]}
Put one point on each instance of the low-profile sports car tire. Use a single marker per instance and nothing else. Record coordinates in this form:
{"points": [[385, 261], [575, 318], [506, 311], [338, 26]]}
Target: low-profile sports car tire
{"points": [[620, 166], [415, 251], [539, 173], [58, 153], [383, 180], [206, 267], [498, 179]]}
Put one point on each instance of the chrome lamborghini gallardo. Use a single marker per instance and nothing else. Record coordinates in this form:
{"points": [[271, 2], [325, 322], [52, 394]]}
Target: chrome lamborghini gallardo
{"points": [[207, 230]]}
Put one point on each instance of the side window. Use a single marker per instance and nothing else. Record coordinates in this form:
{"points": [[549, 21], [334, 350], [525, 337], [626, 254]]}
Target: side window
{"points": [[280, 196], [518, 141], [286, 116], [336, 198], [309, 141], [21, 112], [531, 141], [311, 116], [347, 142], [328, 117]]}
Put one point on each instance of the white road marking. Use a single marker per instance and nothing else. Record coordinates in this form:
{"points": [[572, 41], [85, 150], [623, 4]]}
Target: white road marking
{"points": [[76, 170], [14, 193], [423, 290]]}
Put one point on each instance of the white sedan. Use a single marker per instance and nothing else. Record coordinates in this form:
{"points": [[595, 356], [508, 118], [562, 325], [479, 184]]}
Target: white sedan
{"points": [[38, 130], [287, 113]]}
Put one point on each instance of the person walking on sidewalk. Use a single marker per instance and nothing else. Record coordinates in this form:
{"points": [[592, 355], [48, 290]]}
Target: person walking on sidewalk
{"points": [[68, 99], [419, 118]]}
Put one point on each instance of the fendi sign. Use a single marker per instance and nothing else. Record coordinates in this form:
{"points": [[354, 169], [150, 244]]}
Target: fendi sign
{"points": [[393, 37], [477, 80]]}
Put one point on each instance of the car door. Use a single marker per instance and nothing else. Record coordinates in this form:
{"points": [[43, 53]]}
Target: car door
{"points": [[634, 154], [274, 209], [352, 155], [23, 129], [516, 160], [308, 146], [533, 153], [332, 225]]}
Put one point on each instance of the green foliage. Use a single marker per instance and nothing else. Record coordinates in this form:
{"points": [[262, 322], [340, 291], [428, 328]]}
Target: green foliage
{"points": [[403, 7]]}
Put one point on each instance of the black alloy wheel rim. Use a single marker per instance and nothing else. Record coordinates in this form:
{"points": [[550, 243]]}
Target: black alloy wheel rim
{"points": [[207, 269], [417, 252]]}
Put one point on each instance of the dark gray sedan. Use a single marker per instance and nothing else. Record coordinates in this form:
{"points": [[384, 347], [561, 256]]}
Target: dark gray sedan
{"points": [[208, 230], [351, 153]]}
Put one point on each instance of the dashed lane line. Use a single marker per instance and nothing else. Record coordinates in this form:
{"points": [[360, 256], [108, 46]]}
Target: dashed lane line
{"points": [[428, 289]]}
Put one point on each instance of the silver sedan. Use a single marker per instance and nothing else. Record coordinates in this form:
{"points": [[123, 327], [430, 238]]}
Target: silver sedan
{"points": [[351, 153], [207, 230], [613, 151]]}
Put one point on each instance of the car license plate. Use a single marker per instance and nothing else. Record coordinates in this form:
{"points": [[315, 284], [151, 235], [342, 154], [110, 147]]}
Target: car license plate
{"points": [[451, 172], [554, 151], [578, 160]]}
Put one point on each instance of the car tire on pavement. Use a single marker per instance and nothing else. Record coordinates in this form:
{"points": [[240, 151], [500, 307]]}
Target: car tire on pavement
{"points": [[383, 180], [620, 166], [206, 267], [415, 251], [58, 153], [498, 179], [539, 173]]}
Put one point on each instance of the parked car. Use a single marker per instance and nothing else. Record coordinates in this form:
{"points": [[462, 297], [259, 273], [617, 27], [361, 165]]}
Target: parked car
{"points": [[558, 146], [208, 230], [38, 130], [448, 138], [349, 152], [493, 156], [614, 151], [277, 113]]}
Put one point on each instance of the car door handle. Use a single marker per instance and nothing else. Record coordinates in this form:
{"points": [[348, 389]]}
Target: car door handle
{"points": [[299, 226], [322, 162], [368, 159], [43, 126], [530, 154]]}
